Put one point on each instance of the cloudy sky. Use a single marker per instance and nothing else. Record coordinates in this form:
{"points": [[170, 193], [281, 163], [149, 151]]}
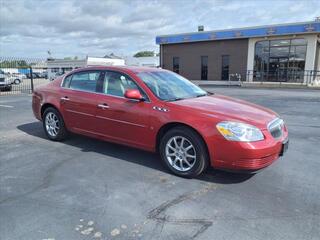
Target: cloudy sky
{"points": [[29, 28]]}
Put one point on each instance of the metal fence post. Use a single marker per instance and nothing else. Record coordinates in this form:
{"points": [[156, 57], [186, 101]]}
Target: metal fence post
{"points": [[31, 79]]}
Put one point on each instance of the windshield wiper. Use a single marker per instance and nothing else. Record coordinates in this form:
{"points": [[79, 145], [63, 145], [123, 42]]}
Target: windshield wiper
{"points": [[202, 95], [174, 99]]}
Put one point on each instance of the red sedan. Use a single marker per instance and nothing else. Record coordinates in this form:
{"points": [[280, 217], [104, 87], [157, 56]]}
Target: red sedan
{"points": [[158, 110]]}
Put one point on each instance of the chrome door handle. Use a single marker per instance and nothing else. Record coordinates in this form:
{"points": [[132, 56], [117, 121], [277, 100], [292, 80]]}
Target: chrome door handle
{"points": [[64, 99], [103, 106]]}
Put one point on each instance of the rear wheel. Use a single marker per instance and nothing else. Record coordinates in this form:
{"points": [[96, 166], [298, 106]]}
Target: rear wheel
{"points": [[17, 81], [184, 152], [53, 125]]}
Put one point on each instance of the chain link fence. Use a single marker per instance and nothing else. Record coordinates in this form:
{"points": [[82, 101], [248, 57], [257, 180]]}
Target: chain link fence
{"points": [[21, 75]]}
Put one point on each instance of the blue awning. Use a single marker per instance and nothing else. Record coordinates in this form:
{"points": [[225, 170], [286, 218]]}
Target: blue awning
{"points": [[272, 30]]}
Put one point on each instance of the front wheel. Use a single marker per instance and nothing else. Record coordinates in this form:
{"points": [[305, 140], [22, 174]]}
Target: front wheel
{"points": [[184, 152], [17, 81], [53, 125]]}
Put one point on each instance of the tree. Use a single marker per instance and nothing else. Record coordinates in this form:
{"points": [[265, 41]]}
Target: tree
{"points": [[13, 64], [144, 54]]}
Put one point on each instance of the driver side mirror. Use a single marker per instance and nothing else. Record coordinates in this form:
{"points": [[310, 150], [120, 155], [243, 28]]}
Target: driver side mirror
{"points": [[133, 94]]}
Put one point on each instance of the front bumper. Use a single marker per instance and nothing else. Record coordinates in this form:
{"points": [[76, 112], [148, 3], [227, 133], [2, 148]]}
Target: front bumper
{"points": [[248, 156]]}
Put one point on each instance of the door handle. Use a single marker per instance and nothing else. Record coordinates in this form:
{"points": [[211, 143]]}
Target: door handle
{"points": [[64, 98], [103, 106]]}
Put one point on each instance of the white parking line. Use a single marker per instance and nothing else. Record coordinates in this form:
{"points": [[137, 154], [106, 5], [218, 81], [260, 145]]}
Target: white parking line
{"points": [[6, 106]]}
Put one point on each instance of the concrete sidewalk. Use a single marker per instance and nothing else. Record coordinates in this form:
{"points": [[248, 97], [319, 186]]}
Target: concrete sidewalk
{"points": [[244, 84]]}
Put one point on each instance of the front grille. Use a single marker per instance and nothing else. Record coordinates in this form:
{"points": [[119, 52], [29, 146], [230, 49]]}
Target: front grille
{"points": [[275, 128], [1, 79]]}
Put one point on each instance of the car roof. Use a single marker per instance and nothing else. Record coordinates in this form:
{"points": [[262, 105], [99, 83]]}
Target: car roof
{"points": [[133, 69]]}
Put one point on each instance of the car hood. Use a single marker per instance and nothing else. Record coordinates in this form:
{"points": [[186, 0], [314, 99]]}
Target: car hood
{"points": [[226, 108]]}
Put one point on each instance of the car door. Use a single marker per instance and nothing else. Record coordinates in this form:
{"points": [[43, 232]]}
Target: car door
{"points": [[78, 101], [120, 119]]}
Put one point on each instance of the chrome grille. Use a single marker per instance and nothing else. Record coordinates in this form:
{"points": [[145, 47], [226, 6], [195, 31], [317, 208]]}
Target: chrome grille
{"points": [[275, 128]]}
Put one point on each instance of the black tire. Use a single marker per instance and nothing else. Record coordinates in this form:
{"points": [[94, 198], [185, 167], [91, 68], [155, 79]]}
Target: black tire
{"points": [[8, 88], [17, 81], [61, 132], [201, 153]]}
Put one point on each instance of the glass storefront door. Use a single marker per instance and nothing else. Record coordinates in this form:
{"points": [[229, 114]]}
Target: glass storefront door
{"points": [[278, 69], [280, 60]]}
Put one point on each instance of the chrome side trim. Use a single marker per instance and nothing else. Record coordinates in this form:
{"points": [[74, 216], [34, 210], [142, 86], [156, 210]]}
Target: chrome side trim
{"points": [[120, 121], [81, 113]]}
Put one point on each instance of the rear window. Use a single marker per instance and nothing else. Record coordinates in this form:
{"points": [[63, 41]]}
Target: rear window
{"points": [[86, 81], [66, 81]]}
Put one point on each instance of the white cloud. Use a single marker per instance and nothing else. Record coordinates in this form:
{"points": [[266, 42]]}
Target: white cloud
{"points": [[97, 27]]}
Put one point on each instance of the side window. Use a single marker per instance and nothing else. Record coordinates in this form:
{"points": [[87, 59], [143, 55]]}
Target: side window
{"points": [[66, 81], [116, 83], [86, 81]]}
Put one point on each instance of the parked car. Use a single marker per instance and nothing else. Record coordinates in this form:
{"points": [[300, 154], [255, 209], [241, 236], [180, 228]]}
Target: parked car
{"points": [[5, 82], [34, 75], [43, 74], [16, 78], [158, 110], [55, 75]]}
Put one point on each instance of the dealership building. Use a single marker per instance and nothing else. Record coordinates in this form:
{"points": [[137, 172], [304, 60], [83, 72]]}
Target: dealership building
{"points": [[273, 53]]}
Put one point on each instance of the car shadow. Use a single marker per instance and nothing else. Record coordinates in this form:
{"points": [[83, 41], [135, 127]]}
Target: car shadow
{"points": [[132, 155]]}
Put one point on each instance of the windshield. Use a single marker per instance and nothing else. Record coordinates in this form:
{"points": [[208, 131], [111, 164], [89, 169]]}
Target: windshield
{"points": [[169, 86]]}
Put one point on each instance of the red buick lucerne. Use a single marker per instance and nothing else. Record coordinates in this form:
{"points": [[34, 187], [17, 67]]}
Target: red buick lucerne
{"points": [[160, 111]]}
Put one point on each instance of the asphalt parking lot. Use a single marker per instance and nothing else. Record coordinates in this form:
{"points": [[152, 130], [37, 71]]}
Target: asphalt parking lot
{"points": [[88, 189]]}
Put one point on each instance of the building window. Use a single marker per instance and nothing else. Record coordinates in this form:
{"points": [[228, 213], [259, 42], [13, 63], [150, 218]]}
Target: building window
{"points": [[176, 64], [225, 67], [280, 60], [65, 70], [55, 70], [204, 67]]}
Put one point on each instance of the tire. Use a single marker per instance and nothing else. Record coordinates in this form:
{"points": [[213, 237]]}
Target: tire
{"points": [[8, 88], [17, 81], [53, 125], [177, 157]]}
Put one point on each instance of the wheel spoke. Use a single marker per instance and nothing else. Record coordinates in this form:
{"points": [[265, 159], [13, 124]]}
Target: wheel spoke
{"points": [[172, 148], [171, 154], [187, 162], [182, 142], [175, 142], [181, 165], [190, 156], [188, 148]]}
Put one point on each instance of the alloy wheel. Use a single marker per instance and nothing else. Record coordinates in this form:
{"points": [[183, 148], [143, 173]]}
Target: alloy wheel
{"points": [[52, 124], [180, 153]]}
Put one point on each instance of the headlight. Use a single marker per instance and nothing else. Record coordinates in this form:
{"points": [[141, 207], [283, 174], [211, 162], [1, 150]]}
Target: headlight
{"points": [[235, 131]]}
